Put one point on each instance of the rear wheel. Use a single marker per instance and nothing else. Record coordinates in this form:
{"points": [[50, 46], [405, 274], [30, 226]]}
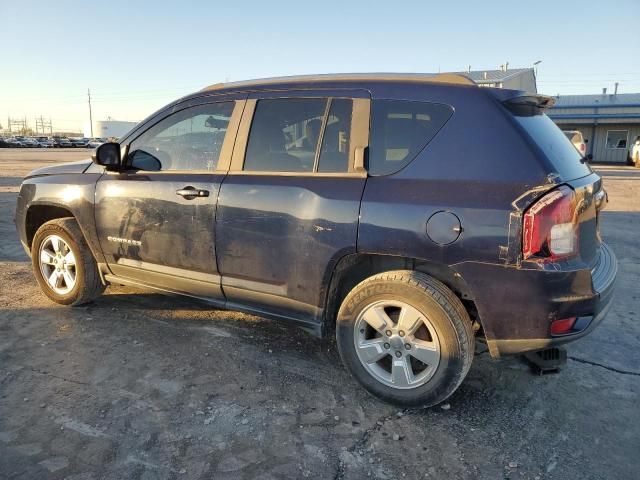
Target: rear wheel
{"points": [[406, 338], [63, 264]]}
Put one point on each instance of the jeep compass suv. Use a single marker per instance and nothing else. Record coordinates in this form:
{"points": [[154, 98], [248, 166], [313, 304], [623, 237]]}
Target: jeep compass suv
{"points": [[406, 214]]}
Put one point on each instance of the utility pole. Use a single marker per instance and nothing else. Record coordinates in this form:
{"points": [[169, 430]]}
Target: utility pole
{"points": [[90, 115], [42, 124], [21, 125]]}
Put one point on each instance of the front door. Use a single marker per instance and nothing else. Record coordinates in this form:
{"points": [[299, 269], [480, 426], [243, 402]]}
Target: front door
{"points": [[155, 219], [288, 210]]}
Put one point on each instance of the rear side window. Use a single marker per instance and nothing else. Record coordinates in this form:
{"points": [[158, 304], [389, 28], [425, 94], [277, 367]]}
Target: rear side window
{"points": [[574, 137], [300, 135], [400, 129], [555, 145], [285, 134], [334, 155]]}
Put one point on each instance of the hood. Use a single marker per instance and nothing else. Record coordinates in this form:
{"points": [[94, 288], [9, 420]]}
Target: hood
{"points": [[70, 167]]}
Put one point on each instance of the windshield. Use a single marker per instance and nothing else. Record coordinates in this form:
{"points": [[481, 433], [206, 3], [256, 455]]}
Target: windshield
{"points": [[555, 145]]}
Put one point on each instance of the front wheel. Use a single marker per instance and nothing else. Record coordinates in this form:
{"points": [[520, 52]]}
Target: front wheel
{"points": [[405, 337], [63, 264]]}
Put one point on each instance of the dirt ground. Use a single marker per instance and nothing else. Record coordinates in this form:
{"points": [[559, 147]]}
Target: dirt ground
{"points": [[141, 386]]}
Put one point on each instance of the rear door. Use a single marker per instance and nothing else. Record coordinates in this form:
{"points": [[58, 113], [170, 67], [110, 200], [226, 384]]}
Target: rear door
{"points": [[288, 209], [155, 219]]}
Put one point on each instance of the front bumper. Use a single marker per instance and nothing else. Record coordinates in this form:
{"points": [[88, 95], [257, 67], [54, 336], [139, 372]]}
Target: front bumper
{"points": [[517, 319]]}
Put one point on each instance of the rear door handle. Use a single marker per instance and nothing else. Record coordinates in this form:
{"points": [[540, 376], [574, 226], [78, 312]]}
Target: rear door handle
{"points": [[189, 192]]}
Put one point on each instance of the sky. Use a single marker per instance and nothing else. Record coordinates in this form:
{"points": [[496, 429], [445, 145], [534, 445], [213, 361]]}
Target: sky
{"points": [[137, 56]]}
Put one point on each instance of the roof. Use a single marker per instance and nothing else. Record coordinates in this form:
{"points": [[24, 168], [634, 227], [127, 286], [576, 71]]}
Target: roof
{"points": [[592, 101], [450, 78], [493, 76]]}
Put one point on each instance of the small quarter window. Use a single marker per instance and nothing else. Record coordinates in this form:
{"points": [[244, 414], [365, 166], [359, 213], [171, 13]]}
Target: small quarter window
{"points": [[400, 129], [187, 140]]}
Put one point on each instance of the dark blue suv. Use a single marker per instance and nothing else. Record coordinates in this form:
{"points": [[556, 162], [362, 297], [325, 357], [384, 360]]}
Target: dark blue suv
{"points": [[409, 214]]}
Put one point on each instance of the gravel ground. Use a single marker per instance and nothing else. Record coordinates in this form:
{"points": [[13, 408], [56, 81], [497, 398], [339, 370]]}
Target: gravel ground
{"points": [[141, 386]]}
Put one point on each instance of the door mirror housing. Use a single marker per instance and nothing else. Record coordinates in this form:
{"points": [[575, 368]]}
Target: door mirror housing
{"points": [[108, 156]]}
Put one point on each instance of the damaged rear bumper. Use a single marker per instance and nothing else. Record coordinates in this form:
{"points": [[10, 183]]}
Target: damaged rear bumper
{"points": [[518, 319]]}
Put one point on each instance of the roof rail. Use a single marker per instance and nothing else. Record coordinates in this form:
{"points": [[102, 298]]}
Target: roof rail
{"points": [[451, 78]]}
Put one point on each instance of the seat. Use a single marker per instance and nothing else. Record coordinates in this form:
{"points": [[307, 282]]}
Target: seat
{"points": [[399, 139], [266, 151], [332, 160]]}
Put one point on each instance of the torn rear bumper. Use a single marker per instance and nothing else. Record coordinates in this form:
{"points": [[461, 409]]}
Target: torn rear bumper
{"points": [[518, 319]]}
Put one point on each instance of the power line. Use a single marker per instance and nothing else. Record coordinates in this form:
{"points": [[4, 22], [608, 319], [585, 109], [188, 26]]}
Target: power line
{"points": [[119, 94], [590, 74]]}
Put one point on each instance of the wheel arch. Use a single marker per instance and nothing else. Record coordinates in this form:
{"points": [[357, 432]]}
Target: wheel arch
{"points": [[39, 214], [352, 269]]}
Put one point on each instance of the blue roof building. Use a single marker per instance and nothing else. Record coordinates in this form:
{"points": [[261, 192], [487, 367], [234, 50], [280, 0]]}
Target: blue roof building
{"points": [[610, 122]]}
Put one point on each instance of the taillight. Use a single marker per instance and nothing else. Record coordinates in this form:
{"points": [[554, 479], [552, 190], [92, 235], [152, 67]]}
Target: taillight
{"points": [[564, 326], [550, 227]]}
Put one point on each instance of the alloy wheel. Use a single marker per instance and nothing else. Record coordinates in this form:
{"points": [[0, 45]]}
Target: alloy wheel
{"points": [[57, 264], [397, 344]]}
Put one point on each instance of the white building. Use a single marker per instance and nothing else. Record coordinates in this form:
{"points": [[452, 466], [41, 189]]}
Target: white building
{"points": [[108, 128]]}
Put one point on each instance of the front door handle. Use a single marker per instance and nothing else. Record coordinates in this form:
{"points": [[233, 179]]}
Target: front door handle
{"points": [[189, 192]]}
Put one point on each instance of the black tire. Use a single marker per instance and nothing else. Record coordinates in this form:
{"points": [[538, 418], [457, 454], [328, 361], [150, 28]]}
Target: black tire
{"points": [[446, 314], [88, 284]]}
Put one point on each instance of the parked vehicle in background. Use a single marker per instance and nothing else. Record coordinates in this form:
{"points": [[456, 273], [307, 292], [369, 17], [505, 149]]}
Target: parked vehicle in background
{"points": [[62, 142], [15, 143], [30, 142], [342, 204], [633, 153], [79, 142], [4, 143], [95, 142], [45, 142], [576, 138]]}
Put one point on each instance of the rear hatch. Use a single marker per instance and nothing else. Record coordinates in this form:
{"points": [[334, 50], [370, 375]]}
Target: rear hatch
{"points": [[565, 164]]}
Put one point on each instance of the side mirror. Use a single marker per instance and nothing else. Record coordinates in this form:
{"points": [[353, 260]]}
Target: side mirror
{"points": [[108, 155]]}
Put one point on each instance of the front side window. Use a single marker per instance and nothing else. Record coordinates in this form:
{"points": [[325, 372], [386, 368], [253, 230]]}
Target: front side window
{"points": [[187, 140], [617, 139], [400, 129]]}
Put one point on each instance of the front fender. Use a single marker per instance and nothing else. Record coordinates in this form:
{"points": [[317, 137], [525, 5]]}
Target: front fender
{"points": [[74, 192]]}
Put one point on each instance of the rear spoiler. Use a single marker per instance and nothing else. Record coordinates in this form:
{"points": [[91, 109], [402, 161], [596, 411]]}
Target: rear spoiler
{"points": [[530, 105], [523, 104]]}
